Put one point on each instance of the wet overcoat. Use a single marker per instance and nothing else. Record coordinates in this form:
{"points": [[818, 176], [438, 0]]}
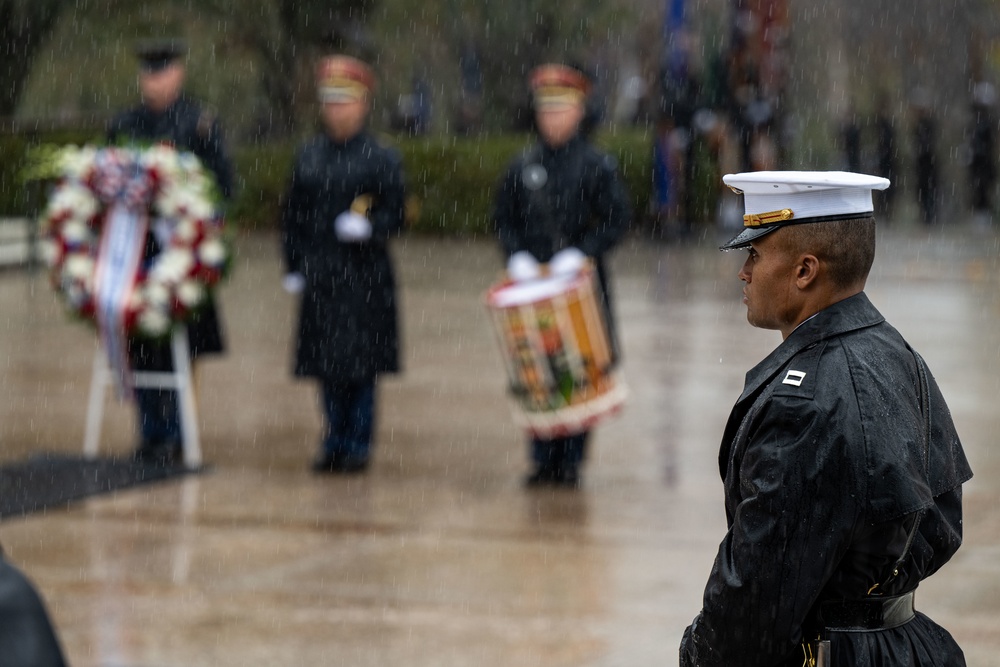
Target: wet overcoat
{"points": [[823, 463], [555, 198], [347, 320], [26, 633], [189, 128]]}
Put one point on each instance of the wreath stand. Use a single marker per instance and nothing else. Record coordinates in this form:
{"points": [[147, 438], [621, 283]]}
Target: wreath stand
{"points": [[178, 379]]}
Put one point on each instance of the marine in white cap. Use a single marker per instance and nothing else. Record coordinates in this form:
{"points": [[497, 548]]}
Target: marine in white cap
{"points": [[774, 199], [841, 466]]}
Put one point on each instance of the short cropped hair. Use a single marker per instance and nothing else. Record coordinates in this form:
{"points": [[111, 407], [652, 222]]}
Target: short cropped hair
{"points": [[847, 247]]}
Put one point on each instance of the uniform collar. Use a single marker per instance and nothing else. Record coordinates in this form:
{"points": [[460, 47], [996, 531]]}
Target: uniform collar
{"points": [[356, 139], [564, 149], [173, 109], [853, 313]]}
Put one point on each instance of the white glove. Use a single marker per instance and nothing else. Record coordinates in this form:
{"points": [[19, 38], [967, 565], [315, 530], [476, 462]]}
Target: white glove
{"points": [[568, 261], [352, 227], [293, 283], [522, 266]]}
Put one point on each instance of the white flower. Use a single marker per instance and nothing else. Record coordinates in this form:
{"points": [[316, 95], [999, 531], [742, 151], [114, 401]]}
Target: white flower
{"points": [[167, 202], [75, 231], [50, 252], [157, 295], [75, 162], [186, 231], [153, 321], [136, 301], [192, 203], [73, 198], [190, 293], [189, 163], [212, 252], [163, 159], [172, 266], [78, 266]]}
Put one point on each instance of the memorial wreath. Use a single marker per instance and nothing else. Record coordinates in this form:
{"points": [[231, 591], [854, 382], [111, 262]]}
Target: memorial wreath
{"points": [[94, 227]]}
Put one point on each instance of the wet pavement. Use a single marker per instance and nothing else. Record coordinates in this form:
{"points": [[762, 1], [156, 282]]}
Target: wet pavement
{"points": [[438, 556]]}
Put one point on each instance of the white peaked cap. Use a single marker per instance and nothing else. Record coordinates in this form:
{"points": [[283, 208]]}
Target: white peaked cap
{"points": [[775, 199]]}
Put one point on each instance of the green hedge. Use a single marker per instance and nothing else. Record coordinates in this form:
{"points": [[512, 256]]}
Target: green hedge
{"points": [[17, 198], [450, 181]]}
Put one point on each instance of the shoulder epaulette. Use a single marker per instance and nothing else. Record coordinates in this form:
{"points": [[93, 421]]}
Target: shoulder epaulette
{"points": [[800, 376]]}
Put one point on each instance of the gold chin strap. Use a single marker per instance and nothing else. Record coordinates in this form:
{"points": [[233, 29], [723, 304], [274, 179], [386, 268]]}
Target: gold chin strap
{"points": [[758, 219]]}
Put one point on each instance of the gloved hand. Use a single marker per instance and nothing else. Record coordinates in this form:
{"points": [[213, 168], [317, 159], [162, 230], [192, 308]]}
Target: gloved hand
{"points": [[522, 266], [568, 261], [293, 283], [352, 227]]}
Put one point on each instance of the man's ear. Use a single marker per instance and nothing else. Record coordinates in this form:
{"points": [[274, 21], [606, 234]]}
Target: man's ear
{"points": [[806, 271]]}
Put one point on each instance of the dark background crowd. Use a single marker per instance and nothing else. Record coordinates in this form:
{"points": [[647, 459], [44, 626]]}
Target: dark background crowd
{"points": [[686, 89]]}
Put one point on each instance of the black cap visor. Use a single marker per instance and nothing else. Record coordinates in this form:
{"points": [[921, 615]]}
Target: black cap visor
{"points": [[747, 236], [751, 234]]}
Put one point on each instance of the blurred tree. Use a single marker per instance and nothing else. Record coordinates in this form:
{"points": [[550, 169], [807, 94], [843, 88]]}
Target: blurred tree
{"points": [[510, 37], [24, 25], [284, 35]]}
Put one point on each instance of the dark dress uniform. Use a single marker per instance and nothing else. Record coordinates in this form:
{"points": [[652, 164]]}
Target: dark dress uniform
{"points": [[886, 152], [982, 159], [551, 199], [925, 133], [188, 128], [827, 472], [27, 638], [347, 329]]}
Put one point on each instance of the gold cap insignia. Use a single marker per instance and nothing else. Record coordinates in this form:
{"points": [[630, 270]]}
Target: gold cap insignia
{"points": [[758, 219]]}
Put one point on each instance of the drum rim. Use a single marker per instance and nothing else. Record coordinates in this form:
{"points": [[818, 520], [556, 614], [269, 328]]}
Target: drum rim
{"points": [[569, 283]]}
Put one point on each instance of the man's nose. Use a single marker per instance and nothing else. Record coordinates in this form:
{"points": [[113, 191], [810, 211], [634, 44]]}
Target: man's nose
{"points": [[744, 273]]}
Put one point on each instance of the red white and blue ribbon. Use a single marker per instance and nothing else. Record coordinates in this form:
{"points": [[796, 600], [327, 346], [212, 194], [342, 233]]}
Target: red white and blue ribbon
{"points": [[126, 187]]}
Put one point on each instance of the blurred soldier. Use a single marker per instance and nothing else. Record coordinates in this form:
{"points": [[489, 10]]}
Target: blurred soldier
{"points": [[166, 114], [560, 203], [982, 154], [850, 139], [344, 204], [27, 638], [886, 155], [925, 156], [841, 466]]}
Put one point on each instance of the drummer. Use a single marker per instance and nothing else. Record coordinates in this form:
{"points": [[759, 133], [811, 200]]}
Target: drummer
{"points": [[560, 203]]}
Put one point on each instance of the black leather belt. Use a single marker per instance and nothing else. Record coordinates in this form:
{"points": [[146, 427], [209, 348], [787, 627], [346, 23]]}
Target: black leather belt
{"points": [[874, 613]]}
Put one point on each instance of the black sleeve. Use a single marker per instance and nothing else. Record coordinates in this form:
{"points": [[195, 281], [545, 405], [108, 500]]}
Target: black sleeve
{"points": [[214, 154], [610, 205], [294, 213], [787, 535], [387, 213], [508, 222], [114, 129], [26, 634]]}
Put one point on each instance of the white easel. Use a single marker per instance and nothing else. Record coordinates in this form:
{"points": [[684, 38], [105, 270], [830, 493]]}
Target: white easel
{"points": [[179, 380]]}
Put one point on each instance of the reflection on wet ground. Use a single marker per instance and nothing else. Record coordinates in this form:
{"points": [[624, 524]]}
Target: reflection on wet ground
{"points": [[438, 556]]}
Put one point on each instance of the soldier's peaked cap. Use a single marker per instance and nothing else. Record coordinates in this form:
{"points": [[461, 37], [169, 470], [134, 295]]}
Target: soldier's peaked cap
{"points": [[776, 199], [341, 78], [155, 54], [554, 84]]}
